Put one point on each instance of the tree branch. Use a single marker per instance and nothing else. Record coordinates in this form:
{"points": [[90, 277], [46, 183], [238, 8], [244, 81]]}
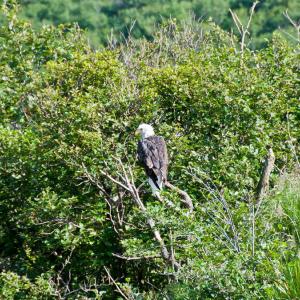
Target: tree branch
{"points": [[264, 182], [130, 186], [186, 199], [129, 258], [262, 190], [243, 30], [116, 285]]}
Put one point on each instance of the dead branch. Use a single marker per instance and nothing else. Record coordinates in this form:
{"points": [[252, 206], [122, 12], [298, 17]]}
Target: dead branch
{"points": [[226, 217], [129, 258], [129, 185], [243, 30], [114, 203], [263, 185], [115, 284], [125, 181], [295, 24], [262, 190], [59, 281], [186, 199]]}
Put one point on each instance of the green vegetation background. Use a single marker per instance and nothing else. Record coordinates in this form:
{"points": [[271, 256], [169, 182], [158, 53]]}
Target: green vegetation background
{"points": [[100, 18], [68, 116]]}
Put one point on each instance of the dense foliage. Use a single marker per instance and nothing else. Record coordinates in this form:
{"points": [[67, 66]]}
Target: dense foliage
{"points": [[100, 17], [68, 116]]}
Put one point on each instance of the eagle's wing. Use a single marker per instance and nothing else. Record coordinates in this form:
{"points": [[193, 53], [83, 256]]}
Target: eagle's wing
{"points": [[152, 153]]}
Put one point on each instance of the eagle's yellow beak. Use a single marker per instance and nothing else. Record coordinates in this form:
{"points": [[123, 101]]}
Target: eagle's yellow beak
{"points": [[137, 132]]}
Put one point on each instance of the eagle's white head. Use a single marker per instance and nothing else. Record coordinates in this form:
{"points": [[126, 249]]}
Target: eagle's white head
{"points": [[145, 130]]}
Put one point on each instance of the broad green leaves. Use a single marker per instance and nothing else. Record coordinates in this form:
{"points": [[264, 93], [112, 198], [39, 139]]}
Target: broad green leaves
{"points": [[68, 115]]}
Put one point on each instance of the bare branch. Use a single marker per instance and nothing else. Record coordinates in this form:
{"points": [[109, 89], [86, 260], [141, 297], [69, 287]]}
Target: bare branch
{"points": [[264, 182], [111, 201], [251, 14], [243, 30], [116, 181], [236, 21], [130, 186], [217, 197], [262, 190], [186, 199], [115, 284], [295, 24], [129, 258]]}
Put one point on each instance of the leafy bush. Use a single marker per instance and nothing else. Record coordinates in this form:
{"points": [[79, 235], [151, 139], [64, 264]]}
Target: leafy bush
{"points": [[13, 286], [68, 117]]}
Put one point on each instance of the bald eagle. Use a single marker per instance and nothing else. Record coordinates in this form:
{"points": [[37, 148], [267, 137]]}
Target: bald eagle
{"points": [[153, 156]]}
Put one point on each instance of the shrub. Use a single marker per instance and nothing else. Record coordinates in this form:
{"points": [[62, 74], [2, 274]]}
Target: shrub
{"points": [[68, 117]]}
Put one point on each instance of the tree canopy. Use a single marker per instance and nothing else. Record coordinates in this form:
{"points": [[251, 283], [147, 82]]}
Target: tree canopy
{"points": [[101, 17]]}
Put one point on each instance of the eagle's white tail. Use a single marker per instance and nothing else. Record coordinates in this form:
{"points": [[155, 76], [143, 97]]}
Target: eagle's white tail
{"points": [[154, 188]]}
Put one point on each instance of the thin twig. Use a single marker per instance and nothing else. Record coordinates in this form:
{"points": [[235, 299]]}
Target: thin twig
{"points": [[116, 285], [129, 258], [295, 24], [217, 197], [243, 30], [130, 186]]}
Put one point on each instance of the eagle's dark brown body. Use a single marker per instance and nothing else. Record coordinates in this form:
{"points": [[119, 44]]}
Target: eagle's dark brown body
{"points": [[153, 156]]}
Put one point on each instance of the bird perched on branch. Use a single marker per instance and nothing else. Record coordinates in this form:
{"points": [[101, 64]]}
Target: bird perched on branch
{"points": [[153, 156]]}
